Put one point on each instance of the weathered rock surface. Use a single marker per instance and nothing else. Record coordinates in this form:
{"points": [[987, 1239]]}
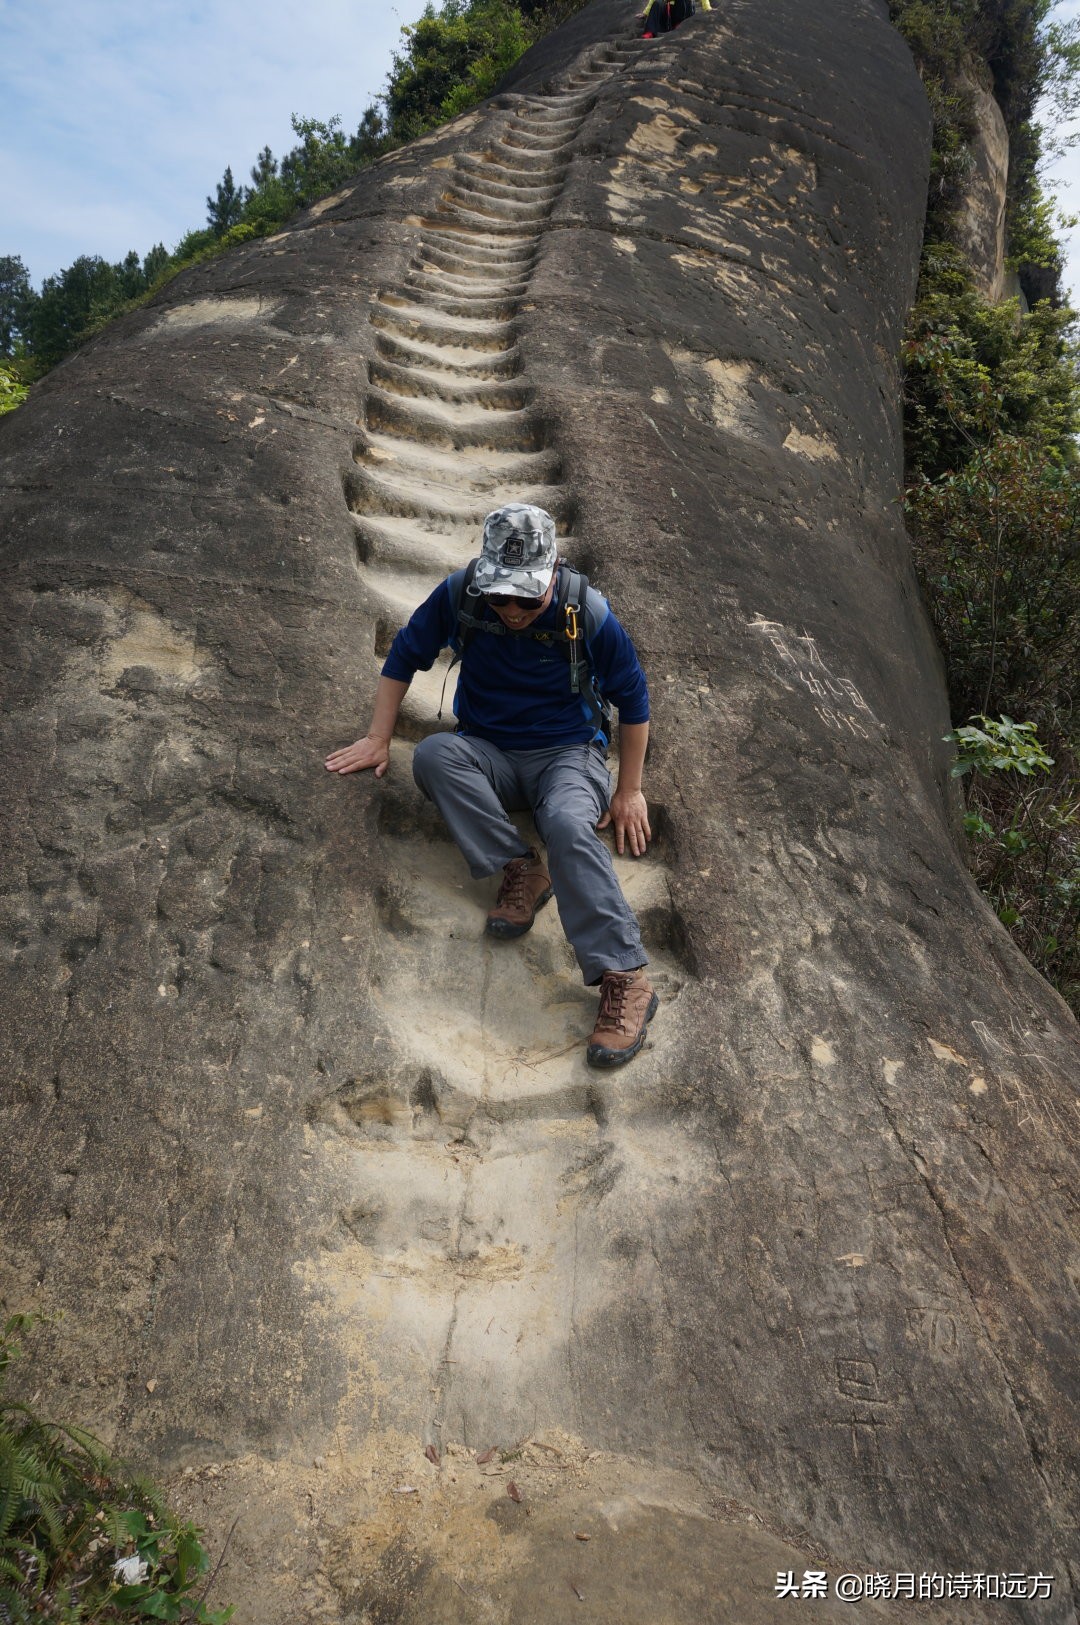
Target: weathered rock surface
{"points": [[317, 1173], [981, 217]]}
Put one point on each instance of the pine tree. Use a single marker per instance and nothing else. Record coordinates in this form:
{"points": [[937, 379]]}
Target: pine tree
{"points": [[226, 208], [370, 138], [16, 299], [264, 168], [154, 263]]}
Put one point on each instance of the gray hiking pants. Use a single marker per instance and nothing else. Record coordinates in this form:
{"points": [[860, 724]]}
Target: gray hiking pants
{"points": [[475, 784]]}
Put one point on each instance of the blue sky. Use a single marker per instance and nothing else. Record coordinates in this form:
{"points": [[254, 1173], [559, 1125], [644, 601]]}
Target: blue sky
{"points": [[118, 117], [1064, 176]]}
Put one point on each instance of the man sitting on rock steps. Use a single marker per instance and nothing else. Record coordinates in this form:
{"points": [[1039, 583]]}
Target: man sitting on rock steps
{"points": [[531, 736]]}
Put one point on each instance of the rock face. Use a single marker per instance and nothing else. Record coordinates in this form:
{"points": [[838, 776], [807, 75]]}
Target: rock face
{"points": [[981, 219], [317, 1173]]}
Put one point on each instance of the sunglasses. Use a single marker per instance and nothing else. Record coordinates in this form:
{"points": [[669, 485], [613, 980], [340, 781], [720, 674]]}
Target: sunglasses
{"points": [[505, 600]]}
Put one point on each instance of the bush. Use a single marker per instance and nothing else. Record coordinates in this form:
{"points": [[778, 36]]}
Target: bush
{"points": [[453, 58], [81, 1540], [973, 371], [1024, 842], [12, 390], [997, 547]]}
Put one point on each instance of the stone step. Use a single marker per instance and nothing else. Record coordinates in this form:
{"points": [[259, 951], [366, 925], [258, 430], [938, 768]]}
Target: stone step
{"points": [[490, 225], [414, 320], [460, 361], [462, 195], [530, 1036], [492, 183], [453, 425], [474, 290], [470, 470], [430, 500], [426, 383], [470, 268], [518, 140], [488, 168], [478, 249], [483, 307], [521, 160], [408, 548]]}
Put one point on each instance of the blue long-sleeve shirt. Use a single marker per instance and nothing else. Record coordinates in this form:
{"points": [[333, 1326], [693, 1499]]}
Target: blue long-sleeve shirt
{"points": [[514, 690]]}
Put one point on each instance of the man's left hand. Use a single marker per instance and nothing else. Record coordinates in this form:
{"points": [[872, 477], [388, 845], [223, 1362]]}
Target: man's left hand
{"points": [[629, 812]]}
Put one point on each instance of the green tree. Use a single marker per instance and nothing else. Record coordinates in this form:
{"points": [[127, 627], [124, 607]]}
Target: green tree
{"points": [[371, 137], [975, 370], [226, 207], [452, 58], [321, 162], [155, 263], [998, 550], [12, 390], [16, 301], [68, 305], [263, 169]]}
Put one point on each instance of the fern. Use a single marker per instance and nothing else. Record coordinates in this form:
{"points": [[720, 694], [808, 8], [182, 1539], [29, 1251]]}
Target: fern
{"points": [[68, 1511]]}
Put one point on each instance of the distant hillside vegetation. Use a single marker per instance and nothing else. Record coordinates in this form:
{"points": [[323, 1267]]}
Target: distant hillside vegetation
{"points": [[992, 406]]}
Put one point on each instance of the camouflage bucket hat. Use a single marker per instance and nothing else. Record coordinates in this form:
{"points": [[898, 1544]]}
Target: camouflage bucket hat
{"points": [[519, 552]]}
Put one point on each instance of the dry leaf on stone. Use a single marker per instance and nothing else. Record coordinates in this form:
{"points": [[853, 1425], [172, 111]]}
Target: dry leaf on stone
{"points": [[579, 1536], [404, 1489], [483, 1459], [432, 1454], [578, 1593], [512, 1491]]}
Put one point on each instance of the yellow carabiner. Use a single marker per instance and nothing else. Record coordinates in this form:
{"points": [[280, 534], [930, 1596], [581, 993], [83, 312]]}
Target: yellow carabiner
{"points": [[571, 623]]}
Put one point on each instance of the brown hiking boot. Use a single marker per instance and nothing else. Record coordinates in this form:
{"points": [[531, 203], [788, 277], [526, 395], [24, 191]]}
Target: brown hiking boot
{"points": [[526, 887], [627, 1005]]}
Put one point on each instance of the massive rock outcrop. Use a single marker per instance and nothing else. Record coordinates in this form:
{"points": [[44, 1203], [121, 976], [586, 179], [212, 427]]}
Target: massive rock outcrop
{"points": [[317, 1173]]}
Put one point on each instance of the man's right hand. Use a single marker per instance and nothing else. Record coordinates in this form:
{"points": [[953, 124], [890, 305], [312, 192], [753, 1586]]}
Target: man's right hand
{"points": [[371, 751]]}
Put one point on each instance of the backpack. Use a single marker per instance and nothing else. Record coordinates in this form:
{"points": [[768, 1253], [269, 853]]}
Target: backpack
{"points": [[581, 621]]}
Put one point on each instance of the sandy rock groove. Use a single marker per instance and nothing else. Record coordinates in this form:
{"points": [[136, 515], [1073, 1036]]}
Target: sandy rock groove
{"points": [[351, 1245]]}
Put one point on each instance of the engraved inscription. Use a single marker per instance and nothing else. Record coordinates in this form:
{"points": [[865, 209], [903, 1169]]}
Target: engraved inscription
{"points": [[839, 704], [936, 1328], [858, 1379]]}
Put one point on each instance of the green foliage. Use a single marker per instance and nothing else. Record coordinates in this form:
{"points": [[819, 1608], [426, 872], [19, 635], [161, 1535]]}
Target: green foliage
{"points": [[992, 406], [974, 371], [226, 207], [76, 302], [453, 58], [16, 296], [80, 1540], [1024, 842], [1004, 746], [12, 389], [1034, 236], [1029, 58], [996, 546]]}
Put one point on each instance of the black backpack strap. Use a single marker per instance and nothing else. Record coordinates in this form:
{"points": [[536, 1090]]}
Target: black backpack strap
{"points": [[468, 623], [461, 594], [574, 633], [573, 587]]}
